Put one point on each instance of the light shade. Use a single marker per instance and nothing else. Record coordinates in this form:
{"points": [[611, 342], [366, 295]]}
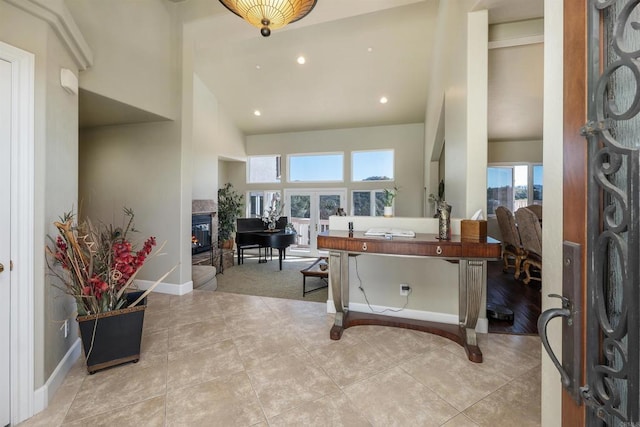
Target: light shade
{"points": [[269, 14]]}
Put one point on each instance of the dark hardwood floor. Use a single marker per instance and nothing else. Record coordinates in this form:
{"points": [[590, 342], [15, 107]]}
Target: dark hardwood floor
{"points": [[523, 300]]}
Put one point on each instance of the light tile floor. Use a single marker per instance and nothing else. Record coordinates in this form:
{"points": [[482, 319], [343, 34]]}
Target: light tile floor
{"points": [[219, 359]]}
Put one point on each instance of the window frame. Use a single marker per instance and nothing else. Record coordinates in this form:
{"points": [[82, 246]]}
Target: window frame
{"points": [[393, 164], [315, 154], [278, 158], [372, 201], [530, 192], [265, 195]]}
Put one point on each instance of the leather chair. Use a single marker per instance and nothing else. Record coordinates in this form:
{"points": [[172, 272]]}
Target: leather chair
{"points": [[511, 245], [531, 235]]}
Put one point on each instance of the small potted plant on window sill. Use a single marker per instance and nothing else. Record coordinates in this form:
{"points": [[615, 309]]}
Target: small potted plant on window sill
{"points": [[389, 195]]}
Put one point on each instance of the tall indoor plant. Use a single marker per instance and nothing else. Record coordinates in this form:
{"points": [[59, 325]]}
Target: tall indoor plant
{"points": [[229, 209]]}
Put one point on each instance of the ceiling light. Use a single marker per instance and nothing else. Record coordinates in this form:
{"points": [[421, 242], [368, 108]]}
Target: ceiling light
{"points": [[383, 100], [301, 60], [269, 14], [257, 113]]}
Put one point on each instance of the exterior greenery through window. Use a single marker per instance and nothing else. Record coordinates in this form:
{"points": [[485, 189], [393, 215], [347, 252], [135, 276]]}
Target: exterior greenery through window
{"points": [[367, 203], [513, 186], [263, 169], [375, 165]]}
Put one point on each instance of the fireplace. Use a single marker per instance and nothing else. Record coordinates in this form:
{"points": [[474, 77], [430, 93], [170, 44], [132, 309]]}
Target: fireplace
{"points": [[201, 233]]}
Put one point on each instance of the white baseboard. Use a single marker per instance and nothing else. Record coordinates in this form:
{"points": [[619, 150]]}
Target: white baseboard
{"points": [[482, 327], [166, 288], [44, 393]]}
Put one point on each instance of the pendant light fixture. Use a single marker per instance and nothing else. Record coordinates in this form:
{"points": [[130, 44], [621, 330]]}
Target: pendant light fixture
{"points": [[270, 14]]}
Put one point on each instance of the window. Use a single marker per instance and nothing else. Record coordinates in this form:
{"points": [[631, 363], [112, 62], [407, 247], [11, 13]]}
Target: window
{"points": [[316, 167], [513, 186], [261, 169], [374, 165], [367, 203], [258, 201]]}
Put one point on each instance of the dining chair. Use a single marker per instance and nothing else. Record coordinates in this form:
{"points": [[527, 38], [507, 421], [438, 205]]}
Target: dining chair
{"points": [[531, 235], [511, 244], [536, 209]]}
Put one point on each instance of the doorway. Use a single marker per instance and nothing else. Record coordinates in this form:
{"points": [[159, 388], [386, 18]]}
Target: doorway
{"points": [[16, 237], [309, 212], [5, 242]]}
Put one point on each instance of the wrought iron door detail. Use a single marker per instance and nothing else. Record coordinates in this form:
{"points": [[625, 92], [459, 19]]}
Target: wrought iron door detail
{"points": [[612, 385]]}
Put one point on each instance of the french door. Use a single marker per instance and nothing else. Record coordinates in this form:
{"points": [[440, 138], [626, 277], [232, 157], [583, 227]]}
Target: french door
{"points": [[309, 212]]}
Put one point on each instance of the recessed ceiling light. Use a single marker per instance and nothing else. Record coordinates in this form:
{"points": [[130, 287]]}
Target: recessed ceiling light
{"points": [[383, 100], [257, 113], [258, 67], [369, 49], [301, 60]]}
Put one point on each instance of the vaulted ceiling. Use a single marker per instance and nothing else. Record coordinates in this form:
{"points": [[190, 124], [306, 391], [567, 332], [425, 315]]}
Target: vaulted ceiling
{"points": [[356, 52]]}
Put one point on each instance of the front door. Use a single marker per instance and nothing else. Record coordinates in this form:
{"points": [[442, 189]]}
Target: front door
{"points": [[5, 227], [309, 212], [602, 210]]}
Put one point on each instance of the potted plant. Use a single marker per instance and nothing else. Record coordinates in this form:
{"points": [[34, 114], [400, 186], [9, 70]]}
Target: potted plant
{"points": [[229, 209], [389, 195], [97, 265]]}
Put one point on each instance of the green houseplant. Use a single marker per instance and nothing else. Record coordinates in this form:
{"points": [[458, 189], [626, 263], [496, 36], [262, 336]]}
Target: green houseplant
{"points": [[389, 195], [229, 209]]}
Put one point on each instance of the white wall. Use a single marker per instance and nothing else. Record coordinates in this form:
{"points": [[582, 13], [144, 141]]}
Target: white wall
{"points": [[214, 137], [133, 63], [466, 113], [552, 212], [56, 180]]}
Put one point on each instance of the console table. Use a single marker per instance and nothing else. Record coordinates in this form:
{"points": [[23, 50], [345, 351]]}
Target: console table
{"points": [[469, 254]]}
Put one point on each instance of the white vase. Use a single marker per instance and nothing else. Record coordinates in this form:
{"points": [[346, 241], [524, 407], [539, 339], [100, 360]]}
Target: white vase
{"points": [[388, 211]]}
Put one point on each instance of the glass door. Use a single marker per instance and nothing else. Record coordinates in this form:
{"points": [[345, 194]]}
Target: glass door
{"points": [[309, 212]]}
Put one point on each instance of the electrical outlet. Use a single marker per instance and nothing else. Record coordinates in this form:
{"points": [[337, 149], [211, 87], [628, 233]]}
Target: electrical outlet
{"points": [[404, 289]]}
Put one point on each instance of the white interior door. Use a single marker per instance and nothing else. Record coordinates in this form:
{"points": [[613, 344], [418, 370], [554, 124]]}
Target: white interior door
{"points": [[5, 228], [309, 212]]}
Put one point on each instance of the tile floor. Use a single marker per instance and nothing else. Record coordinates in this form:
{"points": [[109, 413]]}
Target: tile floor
{"points": [[219, 359]]}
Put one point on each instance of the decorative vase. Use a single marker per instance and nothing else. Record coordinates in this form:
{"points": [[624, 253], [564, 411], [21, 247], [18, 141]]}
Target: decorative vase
{"points": [[444, 221], [272, 225], [388, 211], [113, 337]]}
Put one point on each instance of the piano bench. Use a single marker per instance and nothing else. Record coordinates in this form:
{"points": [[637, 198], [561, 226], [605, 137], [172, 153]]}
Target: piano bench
{"points": [[241, 249]]}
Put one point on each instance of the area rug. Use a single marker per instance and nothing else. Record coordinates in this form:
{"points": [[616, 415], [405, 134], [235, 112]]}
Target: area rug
{"points": [[253, 278]]}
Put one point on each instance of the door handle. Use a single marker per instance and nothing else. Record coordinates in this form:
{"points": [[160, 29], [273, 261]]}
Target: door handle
{"points": [[1, 267], [543, 320]]}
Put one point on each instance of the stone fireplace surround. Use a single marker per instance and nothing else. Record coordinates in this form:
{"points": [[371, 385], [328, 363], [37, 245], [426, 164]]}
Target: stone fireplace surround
{"points": [[205, 275]]}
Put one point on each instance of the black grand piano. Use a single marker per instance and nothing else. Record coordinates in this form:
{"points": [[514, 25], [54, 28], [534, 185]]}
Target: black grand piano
{"points": [[252, 233]]}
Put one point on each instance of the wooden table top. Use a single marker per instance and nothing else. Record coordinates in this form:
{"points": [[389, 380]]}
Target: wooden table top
{"points": [[423, 244]]}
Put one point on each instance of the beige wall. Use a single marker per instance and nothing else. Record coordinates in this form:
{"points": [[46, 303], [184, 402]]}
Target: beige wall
{"points": [[56, 180], [137, 166], [406, 140], [132, 59], [515, 152]]}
